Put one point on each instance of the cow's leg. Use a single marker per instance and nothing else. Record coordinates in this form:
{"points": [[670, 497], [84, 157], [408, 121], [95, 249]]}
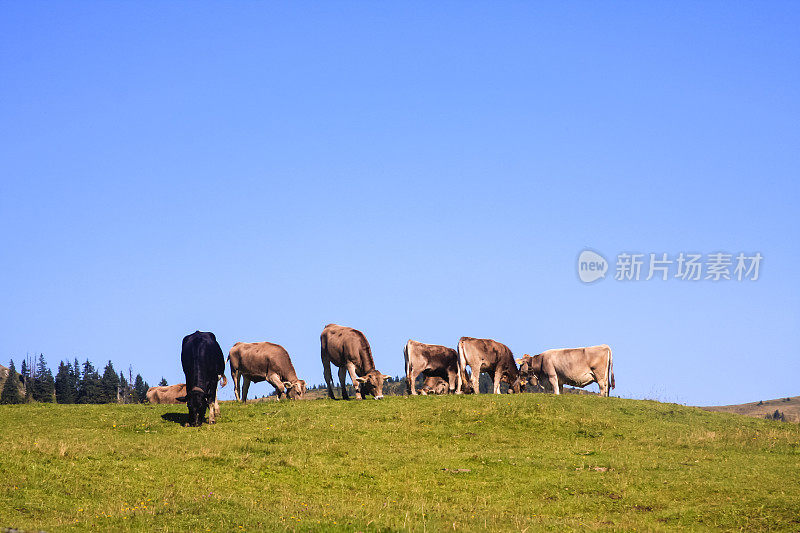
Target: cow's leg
{"points": [[237, 391], [351, 368], [497, 376], [412, 378], [326, 370], [462, 369], [275, 380], [555, 385], [245, 388], [451, 380], [343, 382], [476, 380]]}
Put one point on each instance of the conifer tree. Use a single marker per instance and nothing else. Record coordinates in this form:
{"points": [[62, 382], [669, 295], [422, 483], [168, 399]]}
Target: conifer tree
{"points": [[42, 386], [89, 388], [163, 382], [64, 385], [109, 384], [10, 392], [140, 387]]}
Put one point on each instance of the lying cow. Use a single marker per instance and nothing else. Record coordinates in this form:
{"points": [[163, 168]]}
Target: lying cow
{"points": [[577, 367], [203, 365], [487, 355], [166, 393], [348, 349], [434, 385], [260, 361]]}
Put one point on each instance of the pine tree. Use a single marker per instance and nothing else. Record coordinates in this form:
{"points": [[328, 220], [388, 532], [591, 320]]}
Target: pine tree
{"points": [[10, 393], [25, 373], [65, 390], [89, 388], [140, 386], [42, 386], [75, 379], [163, 382], [109, 384]]}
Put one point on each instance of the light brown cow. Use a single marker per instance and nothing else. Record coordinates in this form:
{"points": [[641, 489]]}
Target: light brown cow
{"points": [[166, 393], [577, 367], [487, 355], [260, 361], [348, 349], [434, 385], [430, 360]]}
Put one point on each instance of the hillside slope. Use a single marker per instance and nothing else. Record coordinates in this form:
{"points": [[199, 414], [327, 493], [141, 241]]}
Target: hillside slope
{"points": [[511, 463], [789, 407]]}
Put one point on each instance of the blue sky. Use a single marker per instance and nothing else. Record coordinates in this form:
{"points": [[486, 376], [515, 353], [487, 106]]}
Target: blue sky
{"points": [[413, 170]]}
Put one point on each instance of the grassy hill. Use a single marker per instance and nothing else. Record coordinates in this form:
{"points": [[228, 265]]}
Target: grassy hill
{"points": [[788, 407], [511, 462]]}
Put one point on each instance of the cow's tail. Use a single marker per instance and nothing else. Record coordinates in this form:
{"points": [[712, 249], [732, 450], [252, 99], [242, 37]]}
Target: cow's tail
{"points": [[408, 367], [223, 378], [610, 374]]}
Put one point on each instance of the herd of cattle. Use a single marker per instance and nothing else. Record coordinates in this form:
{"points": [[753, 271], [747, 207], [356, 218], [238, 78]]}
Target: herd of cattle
{"points": [[444, 369]]}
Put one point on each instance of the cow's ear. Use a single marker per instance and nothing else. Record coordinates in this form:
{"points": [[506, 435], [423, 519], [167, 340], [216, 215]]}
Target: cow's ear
{"points": [[181, 399], [287, 384], [520, 360], [361, 380]]}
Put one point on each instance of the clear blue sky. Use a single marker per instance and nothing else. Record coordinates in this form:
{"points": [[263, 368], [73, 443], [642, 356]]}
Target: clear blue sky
{"points": [[411, 169]]}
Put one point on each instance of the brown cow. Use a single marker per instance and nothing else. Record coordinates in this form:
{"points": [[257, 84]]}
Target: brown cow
{"points": [[430, 360], [259, 361], [348, 349], [577, 367], [166, 393], [487, 355], [434, 385]]}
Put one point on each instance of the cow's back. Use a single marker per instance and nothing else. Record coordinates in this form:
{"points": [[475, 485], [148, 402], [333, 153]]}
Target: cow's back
{"points": [[202, 359], [342, 344], [261, 358], [577, 366], [491, 352]]}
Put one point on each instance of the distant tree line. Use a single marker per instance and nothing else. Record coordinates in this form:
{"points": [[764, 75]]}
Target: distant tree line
{"points": [[73, 383]]}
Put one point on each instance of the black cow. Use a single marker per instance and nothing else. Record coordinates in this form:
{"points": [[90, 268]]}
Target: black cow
{"points": [[203, 365]]}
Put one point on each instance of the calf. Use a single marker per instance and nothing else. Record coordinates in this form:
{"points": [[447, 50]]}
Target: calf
{"points": [[260, 361], [203, 365], [166, 393], [577, 367], [487, 355], [434, 385], [348, 349]]}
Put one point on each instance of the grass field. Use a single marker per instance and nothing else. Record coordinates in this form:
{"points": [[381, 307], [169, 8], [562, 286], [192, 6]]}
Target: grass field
{"points": [[513, 462]]}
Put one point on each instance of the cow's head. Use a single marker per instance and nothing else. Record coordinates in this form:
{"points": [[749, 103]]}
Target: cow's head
{"points": [[197, 401], [372, 383], [295, 389]]}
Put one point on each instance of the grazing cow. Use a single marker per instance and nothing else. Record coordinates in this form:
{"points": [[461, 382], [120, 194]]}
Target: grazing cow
{"points": [[577, 367], [348, 349], [434, 385], [259, 361], [166, 393], [487, 355], [203, 364]]}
